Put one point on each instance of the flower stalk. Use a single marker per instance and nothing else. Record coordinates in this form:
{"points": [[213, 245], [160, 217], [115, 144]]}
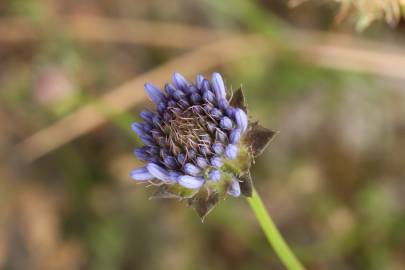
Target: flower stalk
{"points": [[273, 235]]}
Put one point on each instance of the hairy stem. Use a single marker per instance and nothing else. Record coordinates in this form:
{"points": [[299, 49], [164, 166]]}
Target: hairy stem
{"points": [[274, 237]]}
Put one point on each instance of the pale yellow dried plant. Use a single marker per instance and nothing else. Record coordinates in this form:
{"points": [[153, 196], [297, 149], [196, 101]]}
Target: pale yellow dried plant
{"points": [[366, 11]]}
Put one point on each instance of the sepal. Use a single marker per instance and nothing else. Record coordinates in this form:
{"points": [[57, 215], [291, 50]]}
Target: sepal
{"points": [[246, 184], [203, 202], [238, 100], [258, 137]]}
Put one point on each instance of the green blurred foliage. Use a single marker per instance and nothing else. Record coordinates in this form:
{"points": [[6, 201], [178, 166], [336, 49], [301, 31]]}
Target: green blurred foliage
{"points": [[333, 179]]}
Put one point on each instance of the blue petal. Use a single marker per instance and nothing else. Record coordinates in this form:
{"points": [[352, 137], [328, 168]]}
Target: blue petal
{"points": [[199, 81], [158, 172], [234, 137], [141, 174], [154, 93], [234, 188], [225, 123], [192, 169], [231, 151], [241, 119], [218, 148], [218, 86], [216, 162], [215, 175], [191, 182], [179, 81]]}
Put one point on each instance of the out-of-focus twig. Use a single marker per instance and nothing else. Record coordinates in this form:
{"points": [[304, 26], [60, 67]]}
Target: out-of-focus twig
{"points": [[131, 93], [113, 30], [347, 53]]}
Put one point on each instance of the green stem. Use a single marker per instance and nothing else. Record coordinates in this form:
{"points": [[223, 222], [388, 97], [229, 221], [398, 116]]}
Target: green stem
{"points": [[273, 235]]}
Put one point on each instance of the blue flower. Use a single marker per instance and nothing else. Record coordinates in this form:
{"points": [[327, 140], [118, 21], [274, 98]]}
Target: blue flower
{"points": [[199, 144]]}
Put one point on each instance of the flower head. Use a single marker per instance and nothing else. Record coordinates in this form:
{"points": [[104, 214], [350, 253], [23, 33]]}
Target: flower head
{"points": [[198, 144]]}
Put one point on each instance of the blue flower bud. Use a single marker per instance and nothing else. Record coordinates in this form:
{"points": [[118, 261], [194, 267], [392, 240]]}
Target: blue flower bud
{"points": [[158, 172], [195, 98], [147, 140], [231, 151], [201, 162], [208, 96], [170, 162], [161, 107], [234, 188], [191, 182], [169, 89], [216, 162], [157, 120], [178, 95], [167, 116], [147, 115], [223, 104], [215, 175], [241, 119], [217, 114], [204, 150], [211, 127], [171, 103], [192, 89], [218, 86], [218, 148], [206, 86], [191, 154], [225, 123], [174, 176], [181, 158], [141, 154], [138, 128], [234, 137], [199, 81], [179, 81], [230, 112], [152, 150], [220, 136], [141, 174], [184, 104], [154, 93], [191, 169]]}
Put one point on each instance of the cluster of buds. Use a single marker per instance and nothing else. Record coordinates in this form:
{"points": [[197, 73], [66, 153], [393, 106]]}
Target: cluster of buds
{"points": [[199, 144]]}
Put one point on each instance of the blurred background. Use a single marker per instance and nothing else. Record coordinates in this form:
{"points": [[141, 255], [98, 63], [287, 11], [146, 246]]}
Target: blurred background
{"points": [[71, 82]]}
